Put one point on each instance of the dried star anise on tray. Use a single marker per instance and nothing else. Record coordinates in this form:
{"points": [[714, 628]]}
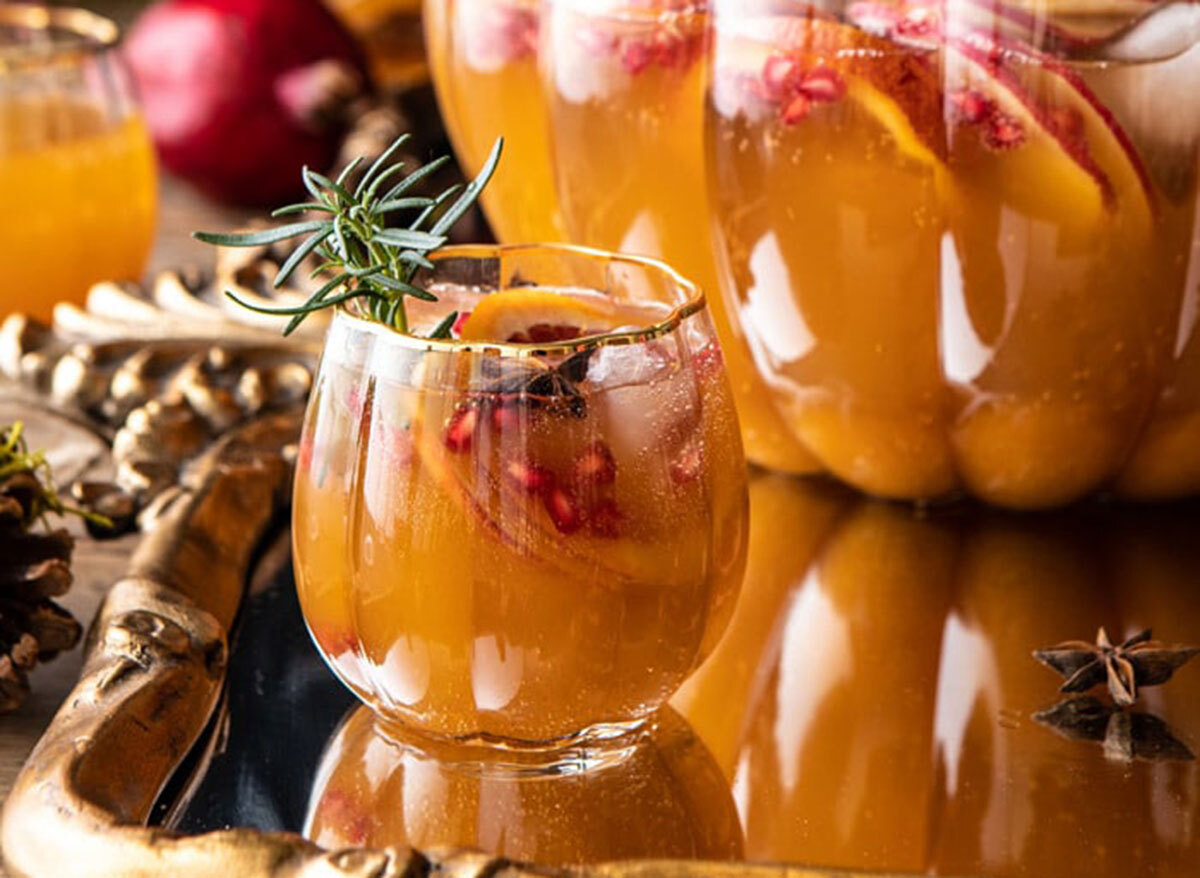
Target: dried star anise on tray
{"points": [[1136, 661], [34, 567], [1125, 735]]}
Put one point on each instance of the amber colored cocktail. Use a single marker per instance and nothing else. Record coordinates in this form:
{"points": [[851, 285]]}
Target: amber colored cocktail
{"points": [[625, 84], [533, 531], [483, 57], [77, 168], [959, 238]]}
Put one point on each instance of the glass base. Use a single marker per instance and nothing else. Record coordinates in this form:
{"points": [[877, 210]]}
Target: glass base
{"points": [[592, 748]]}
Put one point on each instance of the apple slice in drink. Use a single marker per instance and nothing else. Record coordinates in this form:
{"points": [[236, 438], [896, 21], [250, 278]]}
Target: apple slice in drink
{"points": [[1062, 143]]}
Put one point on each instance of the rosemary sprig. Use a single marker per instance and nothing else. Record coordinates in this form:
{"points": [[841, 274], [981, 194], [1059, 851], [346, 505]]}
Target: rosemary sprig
{"points": [[361, 255], [16, 459]]}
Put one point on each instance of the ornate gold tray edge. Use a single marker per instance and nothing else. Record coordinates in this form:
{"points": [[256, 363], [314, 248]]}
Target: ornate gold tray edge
{"points": [[156, 652]]}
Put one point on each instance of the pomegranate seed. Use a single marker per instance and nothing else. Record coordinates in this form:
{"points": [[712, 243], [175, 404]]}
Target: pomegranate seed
{"points": [[605, 519], [779, 77], [562, 510], [505, 418], [636, 57], [686, 467], [531, 477], [595, 465], [970, 106], [456, 329], [796, 110], [822, 85], [461, 429], [1003, 132], [669, 49]]}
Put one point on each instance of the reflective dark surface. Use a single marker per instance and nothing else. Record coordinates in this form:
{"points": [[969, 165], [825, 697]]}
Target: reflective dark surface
{"points": [[874, 705]]}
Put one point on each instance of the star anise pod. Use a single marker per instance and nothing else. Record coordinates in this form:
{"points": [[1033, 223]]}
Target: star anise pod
{"points": [[537, 384], [1126, 736], [1136, 661]]}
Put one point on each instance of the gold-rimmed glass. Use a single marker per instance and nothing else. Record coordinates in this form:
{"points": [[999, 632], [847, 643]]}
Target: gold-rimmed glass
{"points": [[76, 163], [522, 544]]}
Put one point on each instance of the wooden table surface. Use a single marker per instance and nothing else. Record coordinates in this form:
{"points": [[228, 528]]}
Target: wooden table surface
{"points": [[98, 564]]}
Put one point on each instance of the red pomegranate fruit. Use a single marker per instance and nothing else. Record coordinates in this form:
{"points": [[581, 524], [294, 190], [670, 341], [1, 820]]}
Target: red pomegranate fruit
{"points": [[239, 94]]}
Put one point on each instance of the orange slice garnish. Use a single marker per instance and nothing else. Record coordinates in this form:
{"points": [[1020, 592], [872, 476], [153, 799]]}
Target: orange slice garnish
{"points": [[537, 317]]}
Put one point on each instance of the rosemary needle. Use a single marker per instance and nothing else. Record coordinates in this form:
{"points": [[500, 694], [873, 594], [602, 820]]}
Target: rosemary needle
{"points": [[362, 255]]}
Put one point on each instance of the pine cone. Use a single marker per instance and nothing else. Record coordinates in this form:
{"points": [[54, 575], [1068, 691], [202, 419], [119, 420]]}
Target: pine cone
{"points": [[34, 567]]}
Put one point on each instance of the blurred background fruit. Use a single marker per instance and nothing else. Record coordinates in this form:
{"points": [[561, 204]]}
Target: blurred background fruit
{"points": [[240, 94]]}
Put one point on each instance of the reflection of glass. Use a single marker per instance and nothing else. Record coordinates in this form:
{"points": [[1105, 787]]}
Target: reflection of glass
{"points": [[483, 57], [625, 83], [876, 704], [76, 165], [523, 543], [666, 798], [959, 241]]}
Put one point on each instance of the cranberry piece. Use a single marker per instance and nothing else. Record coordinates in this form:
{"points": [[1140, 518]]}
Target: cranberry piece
{"points": [[456, 329], [563, 510], [595, 465], [461, 429]]}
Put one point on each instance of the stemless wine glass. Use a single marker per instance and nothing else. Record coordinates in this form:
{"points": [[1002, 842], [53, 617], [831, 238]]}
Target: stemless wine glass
{"points": [[625, 84], [523, 543], [76, 163], [959, 239], [483, 59]]}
